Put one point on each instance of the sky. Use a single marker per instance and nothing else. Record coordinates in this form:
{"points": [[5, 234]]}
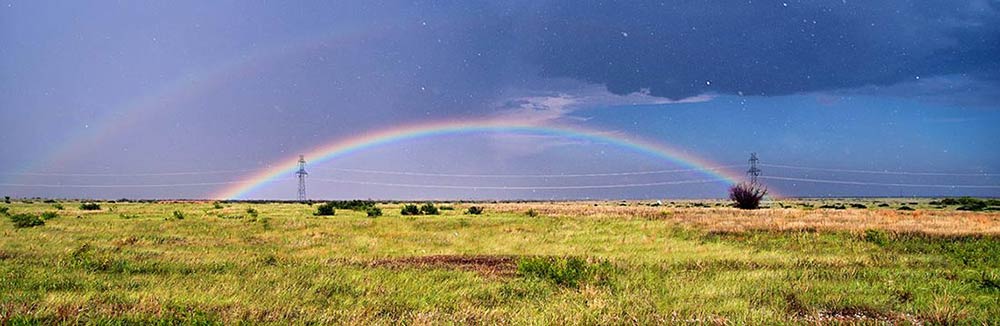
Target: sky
{"points": [[187, 99]]}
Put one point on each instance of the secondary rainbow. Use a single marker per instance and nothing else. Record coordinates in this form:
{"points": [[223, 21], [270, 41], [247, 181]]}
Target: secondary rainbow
{"points": [[342, 147]]}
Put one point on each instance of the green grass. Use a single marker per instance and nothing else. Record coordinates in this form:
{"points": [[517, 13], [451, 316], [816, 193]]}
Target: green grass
{"points": [[283, 264]]}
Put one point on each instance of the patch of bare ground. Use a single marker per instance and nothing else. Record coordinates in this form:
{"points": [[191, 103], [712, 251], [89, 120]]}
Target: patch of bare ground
{"points": [[485, 265], [937, 222]]}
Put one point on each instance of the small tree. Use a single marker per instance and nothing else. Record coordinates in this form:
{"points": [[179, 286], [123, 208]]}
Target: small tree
{"points": [[410, 210], [90, 206], [325, 210], [474, 210], [747, 195], [429, 209], [374, 211]]}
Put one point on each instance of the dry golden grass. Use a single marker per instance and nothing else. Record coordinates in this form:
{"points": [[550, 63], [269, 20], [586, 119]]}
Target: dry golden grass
{"points": [[727, 219]]}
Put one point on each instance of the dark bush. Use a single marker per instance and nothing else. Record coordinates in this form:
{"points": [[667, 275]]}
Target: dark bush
{"points": [[747, 195], [429, 209], [58, 206], [531, 212], [354, 205], [26, 220], [49, 215], [905, 208], [252, 212], [4, 210], [6, 199], [474, 210], [447, 208], [326, 209], [373, 211], [178, 215], [861, 206], [883, 205], [410, 210], [90, 206]]}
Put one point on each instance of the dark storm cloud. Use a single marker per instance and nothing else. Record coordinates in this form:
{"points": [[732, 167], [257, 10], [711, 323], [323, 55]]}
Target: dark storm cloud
{"points": [[685, 48]]}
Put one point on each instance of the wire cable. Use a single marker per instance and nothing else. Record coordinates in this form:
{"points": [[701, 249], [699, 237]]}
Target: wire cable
{"points": [[860, 183], [57, 174], [795, 167], [426, 174], [409, 185]]}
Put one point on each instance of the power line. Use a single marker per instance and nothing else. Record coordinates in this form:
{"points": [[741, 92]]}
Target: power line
{"points": [[626, 185], [795, 167], [427, 174], [860, 183]]}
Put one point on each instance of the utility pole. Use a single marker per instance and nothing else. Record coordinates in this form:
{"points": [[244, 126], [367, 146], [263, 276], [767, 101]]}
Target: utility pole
{"points": [[754, 171], [302, 177]]}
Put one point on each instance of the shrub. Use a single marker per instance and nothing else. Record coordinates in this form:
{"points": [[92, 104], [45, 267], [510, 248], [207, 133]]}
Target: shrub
{"points": [[409, 209], [217, 205], [49, 215], [531, 212], [90, 206], [861, 206], [905, 208], [354, 205], [326, 209], [26, 221], [447, 208], [58, 206], [4, 210], [429, 209], [373, 211], [747, 195], [252, 212], [178, 215], [6, 199], [474, 210]]}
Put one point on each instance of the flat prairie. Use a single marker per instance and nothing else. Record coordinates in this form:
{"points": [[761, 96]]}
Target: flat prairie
{"points": [[822, 261]]}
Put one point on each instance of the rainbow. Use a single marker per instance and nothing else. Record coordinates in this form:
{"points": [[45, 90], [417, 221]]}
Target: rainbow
{"points": [[170, 95], [342, 147]]}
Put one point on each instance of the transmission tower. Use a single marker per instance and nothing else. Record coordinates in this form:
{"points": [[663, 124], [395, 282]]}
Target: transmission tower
{"points": [[302, 177], [754, 171]]}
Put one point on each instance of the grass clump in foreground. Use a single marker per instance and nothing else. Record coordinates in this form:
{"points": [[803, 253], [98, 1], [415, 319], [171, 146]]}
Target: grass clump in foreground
{"points": [[561, 267]]}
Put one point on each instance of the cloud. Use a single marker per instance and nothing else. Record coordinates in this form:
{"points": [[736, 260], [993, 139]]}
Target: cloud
{"points": [[682, 49], [541, 107]]}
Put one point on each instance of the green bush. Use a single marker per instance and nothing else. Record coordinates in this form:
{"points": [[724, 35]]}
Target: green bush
{"points": [[58, 206], [178, 215], [563, 271], [326, 209], [429, 209], [532, 213], [217, 205], [4, 210], [252, 212], [90, 206], [6, 199], [474, 210], [905, 208], [374, 211], [409, 209], [446, 208], [26, 221], [354, 205], [49, 215]]}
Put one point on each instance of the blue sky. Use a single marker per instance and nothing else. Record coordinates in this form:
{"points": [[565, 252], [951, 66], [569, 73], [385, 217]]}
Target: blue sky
{"points": [[131, 89]]}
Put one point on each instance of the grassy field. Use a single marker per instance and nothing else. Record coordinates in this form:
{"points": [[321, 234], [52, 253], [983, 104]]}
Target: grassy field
{"points": [[517, 263]]}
